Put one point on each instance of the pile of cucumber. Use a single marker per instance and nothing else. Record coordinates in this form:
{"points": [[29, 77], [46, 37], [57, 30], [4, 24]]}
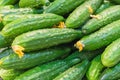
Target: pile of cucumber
{"points": [[60, 39]]}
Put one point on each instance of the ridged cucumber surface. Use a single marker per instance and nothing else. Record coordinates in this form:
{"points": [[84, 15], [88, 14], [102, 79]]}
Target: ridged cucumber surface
{"points": [[111, 73], [111, 55], [82, 13], [32, 59], [27, 42], [100, 38], [95, 68], [105, 17], [76, 72], [48, 71], [62, 7]]}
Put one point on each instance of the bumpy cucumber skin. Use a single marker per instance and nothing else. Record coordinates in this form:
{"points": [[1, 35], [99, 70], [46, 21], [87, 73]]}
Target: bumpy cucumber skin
{"points": [[48, 71], [111, 73], [32, 59], [95, 68], [62, 7], [74, 73], [9, 74], [7, 2], [111, 55], [105, 17], [106, 4], [52, 37], [81, 13], [32, 3], [102, 37], [30, 23]]}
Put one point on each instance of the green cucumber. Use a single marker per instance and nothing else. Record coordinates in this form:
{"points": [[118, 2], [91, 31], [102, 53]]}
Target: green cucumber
{"points": [[27, 42], [62, 7], [100, 38], [111, 55], [105, 17], [6, 7], [82, 13], [5, 52], [32, 59], [76, 72], [48, 71], [28, 23], [7, 2], [115, 1], [111, 73], [106, 4], [32, 3], [9, 74], [95, 68]]}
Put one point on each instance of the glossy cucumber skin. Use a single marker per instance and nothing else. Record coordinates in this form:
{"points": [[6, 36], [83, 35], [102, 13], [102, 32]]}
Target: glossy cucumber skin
{"points": [[7, 2], [111, 73], [48, 71], [62, 7], [5, 52], [105, 17], [102, 37], [106, 4], [52, 37], [32, 3], [9, 74], [95, 68], [111, 55], [81, 14], [74, 73], [32, 59]]}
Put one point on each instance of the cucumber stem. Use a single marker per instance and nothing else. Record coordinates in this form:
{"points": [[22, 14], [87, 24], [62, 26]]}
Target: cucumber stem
{"points": [[90, 9], [95, 16], [61, 25], [79, 45], [18, 50]]}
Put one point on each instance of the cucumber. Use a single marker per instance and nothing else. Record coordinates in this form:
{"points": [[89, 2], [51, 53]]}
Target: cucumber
{"points": [[115, 1], [106, 4], [111, 73], [102, 37], [7, 2], [111, 55], [6, 7], [76, 72], [62, 7], [9, 74], [95, 69], [27, 42], [105, 17], [82, 13], [48, 71], [32, 3], [5, 52], [28, 23], [32, 59]]}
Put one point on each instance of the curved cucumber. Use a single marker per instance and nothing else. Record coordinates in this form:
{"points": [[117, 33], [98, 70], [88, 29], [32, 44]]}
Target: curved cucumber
{"points": [[48, 71], [32, 3], [101, 38], [62, 7], [29, 23], [76, 72], [9, 74], [82, 13], [32, 59], [27, 42], [106, 4], [95, 69], [7, 2], [105, 17], [111, 55], [111, 73]]}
